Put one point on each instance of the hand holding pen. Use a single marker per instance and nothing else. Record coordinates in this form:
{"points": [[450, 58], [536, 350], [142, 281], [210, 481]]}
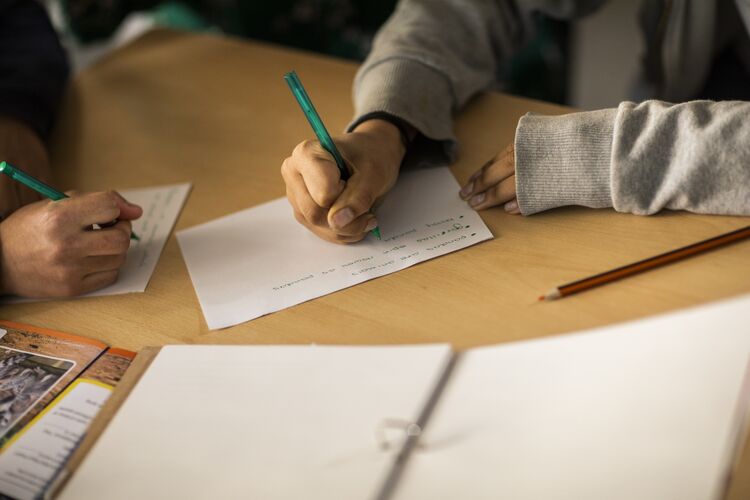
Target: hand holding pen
{"points": [[335, 207], [47, 248]]}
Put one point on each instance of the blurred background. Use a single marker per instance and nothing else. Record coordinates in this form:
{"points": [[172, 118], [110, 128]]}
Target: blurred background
{"points": [[603, 43]]}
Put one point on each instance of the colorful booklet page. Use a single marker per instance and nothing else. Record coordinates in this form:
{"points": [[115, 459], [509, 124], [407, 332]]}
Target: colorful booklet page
{"points": [[52, 384]]}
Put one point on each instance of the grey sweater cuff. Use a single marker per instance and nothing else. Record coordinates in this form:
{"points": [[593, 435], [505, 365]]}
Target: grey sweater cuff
{"points": [[412, 92], [564, 160]]}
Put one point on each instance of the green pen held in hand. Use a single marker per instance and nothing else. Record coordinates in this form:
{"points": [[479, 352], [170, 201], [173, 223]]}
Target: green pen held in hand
{"points": [[316, 123], [40, 187]]}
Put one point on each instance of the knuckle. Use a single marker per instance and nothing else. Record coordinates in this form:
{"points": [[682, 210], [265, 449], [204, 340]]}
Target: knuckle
{"points": [[54, 218], [109, 195], [104, 200], [286, 167], [291, 168], [322, 193], [304, 148], [111, 198]]}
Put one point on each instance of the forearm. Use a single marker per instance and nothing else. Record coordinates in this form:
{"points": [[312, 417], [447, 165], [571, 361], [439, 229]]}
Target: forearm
{"points": [[32, 64], [638, 158]]}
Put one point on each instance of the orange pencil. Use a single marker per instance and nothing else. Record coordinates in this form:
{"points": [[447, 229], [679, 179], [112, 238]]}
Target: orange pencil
{"points": [[646, 264]]}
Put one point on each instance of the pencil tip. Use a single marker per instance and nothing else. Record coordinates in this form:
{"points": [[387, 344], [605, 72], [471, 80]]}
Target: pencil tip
{"points": [[553, 294]]}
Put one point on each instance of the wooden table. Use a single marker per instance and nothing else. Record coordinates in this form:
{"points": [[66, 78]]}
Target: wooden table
{"points": [[214, 111]]}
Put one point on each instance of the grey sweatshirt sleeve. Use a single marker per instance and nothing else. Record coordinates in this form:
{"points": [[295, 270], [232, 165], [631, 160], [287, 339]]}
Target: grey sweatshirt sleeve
{"points": [[429, 59], [433, 55], [638, 158]]}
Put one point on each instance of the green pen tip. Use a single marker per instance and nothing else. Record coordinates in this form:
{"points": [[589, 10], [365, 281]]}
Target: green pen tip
{"points": [[135, 237], [376, 232]]}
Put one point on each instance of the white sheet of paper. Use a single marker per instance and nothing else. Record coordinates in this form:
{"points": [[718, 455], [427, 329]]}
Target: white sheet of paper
{"points": [[261, 260], [645, 410], [267, 422], [161, 207]]}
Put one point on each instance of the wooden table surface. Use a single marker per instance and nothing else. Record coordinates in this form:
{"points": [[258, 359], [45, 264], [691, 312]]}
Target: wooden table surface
{"points": [[214, 111]]}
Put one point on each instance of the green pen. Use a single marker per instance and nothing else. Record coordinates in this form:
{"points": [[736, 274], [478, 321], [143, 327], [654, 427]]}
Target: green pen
{"points": [[316, 123], [40, 187]]}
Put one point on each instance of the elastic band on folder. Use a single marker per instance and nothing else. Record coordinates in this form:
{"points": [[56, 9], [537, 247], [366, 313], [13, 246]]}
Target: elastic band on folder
{"points": [[409, 429], [413, 432]]}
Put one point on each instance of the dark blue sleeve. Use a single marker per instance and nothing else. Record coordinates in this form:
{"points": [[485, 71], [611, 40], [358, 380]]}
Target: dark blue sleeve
{"points": [[33, 66]]}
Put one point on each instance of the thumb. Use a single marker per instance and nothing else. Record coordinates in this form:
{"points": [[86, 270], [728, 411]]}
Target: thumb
{"points": [[128, 211], [355, 200]]}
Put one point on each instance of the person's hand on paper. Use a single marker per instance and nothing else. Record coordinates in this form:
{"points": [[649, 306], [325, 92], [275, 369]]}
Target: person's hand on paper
{"points": [[494, 184], [335, 210], [48, 249], [21, 146]]}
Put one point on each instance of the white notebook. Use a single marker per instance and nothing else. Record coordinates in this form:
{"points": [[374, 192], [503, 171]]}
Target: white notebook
{"points": [[652, 409]]}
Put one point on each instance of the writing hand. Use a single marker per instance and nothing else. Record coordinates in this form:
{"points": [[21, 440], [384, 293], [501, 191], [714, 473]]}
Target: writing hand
{"points": [[338, 211], [47, 248], [494, 184]]}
